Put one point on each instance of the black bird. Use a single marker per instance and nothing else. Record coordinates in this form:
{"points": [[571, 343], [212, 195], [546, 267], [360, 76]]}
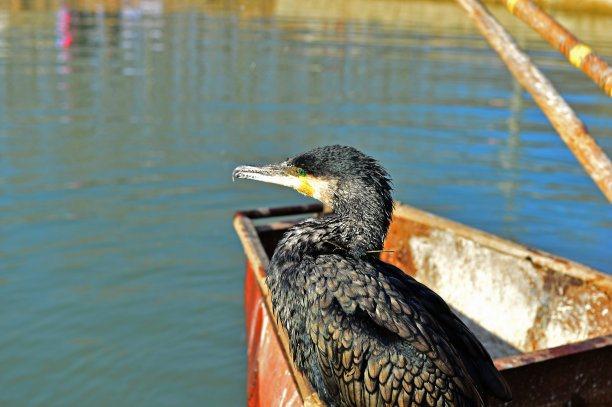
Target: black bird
{"points": [[363, 332]]}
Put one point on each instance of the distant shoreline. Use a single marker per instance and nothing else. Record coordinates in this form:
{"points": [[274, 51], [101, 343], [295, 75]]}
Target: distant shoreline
{"points": [[264, 7]]}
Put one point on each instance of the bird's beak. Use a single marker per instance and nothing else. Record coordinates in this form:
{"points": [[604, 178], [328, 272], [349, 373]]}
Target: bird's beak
{"points": [[280, 174]]}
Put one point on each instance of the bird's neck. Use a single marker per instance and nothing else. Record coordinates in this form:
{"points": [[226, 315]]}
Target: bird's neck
{"points": [[359, 232], [355, 228]]}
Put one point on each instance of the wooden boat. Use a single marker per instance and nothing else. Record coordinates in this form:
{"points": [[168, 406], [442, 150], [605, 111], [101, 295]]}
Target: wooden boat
{"points": [[546, 321]]}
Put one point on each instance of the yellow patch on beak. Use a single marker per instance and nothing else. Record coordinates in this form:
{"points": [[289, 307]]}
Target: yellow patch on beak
{"points": [[306, 188]]}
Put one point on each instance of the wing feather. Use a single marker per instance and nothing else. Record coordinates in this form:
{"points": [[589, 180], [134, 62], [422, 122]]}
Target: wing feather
{"points": [[389, 337]]}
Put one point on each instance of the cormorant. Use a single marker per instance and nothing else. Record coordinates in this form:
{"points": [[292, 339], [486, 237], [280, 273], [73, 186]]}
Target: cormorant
{"points": [[363, 332]]}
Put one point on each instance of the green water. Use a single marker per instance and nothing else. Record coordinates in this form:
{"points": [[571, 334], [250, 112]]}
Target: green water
{"points": [[120, 273]]}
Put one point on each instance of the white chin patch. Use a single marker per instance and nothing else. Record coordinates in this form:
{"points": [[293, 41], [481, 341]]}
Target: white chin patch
{"points": [[322, 190]]}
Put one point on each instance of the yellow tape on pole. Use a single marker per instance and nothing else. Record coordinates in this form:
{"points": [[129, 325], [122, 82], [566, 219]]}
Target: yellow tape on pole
{"points": [[510, 4], [578, 53]]}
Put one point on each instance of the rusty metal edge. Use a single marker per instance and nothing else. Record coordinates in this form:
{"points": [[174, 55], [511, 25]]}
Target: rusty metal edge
{"points": [[528, 358], [259, 213], [258, 258], [502, 245]]}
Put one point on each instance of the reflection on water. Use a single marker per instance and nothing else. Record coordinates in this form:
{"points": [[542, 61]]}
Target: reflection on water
{"points": [[120, 122]]}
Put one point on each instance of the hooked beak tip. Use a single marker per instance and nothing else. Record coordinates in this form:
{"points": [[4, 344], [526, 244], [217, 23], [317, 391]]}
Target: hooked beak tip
{"points": [[242, 172]]}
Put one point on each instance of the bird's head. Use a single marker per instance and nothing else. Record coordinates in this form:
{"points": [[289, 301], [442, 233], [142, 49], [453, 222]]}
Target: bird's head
{"points": [[341, 177]]}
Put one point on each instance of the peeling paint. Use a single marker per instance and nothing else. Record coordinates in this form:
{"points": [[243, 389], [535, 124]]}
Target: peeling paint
{"points": [[574, 318]]}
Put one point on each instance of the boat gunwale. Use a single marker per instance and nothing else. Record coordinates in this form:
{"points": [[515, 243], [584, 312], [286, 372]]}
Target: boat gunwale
{"points": [[259, 261]]}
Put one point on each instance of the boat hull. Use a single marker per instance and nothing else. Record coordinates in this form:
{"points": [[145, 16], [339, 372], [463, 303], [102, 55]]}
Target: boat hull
{"points": [[574, 371]]}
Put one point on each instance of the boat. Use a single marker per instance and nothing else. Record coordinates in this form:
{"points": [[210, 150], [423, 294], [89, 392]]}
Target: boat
{"points": [[545, 320]]}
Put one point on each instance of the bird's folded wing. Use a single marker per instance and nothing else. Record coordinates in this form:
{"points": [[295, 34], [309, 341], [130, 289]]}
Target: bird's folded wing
{"points": [[475, 357], [359, 287]]}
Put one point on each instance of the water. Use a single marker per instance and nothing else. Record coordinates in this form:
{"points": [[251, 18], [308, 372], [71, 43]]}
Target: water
{"points": [[120, 274]]}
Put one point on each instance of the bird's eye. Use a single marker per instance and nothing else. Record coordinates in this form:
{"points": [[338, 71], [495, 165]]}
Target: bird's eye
{"points": [[301, 172]]}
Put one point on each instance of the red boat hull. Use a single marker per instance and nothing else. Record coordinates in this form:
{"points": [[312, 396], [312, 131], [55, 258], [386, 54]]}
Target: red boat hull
{"points": [[577, 373]]}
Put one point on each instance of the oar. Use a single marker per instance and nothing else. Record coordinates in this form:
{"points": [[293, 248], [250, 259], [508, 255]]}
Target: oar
{"points": [[562, 117], [579, 54]]}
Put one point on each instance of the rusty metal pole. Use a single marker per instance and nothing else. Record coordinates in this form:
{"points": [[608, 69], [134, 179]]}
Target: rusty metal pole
{"points": [[579, 54], [562, 117]]}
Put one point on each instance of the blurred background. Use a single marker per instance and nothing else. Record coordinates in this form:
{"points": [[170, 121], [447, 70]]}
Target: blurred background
{"points": [[121, 276]]}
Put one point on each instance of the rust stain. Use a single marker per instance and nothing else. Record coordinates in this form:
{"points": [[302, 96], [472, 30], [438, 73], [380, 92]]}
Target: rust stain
{"points": [[270, 382], [398, 238]]}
